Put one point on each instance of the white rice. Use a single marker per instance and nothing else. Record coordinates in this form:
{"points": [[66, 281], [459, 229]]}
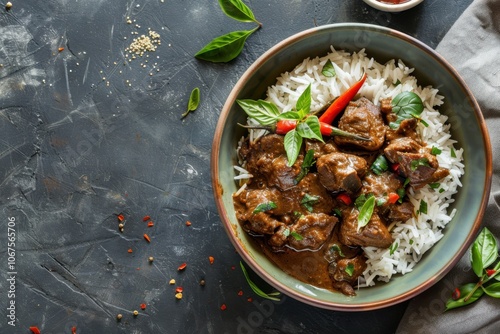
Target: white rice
{"points": [[417, 235]]}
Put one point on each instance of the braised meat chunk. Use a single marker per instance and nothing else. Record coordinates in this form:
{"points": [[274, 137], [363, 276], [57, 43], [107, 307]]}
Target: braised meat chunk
{"points": [[374, 234], [313, 231], [362, 118], [341, 172], [345, 272]]}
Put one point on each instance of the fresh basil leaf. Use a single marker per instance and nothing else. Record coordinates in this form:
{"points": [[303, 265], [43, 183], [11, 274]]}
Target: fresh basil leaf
{"points": [[237, 10], [380, 165], [414, 164], [310, 128], [359, 201], [194, 101], [263, 207], [349, 269], [393, 248], [464, 292], [497, 269], [328, 69], [296, 236], [366, 212], [256, 289], [224, 48], [307, 163], [492, 290], [292, 142], [308, 201], [303, 104], [290, 115], [266, 113], [406, 105], [484, 251]]}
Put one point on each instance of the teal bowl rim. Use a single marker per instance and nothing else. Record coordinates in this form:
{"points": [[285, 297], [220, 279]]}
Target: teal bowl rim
{"points": [[347, 303]]}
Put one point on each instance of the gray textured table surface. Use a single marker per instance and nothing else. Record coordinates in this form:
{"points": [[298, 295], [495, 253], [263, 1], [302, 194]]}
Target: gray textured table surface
{"points": [[86, 135]]}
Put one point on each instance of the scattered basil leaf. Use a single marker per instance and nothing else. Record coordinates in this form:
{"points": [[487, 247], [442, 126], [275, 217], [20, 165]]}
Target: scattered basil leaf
{"points": [[401, 193], [452, 153], [423, 207], [336, 248], [310, 128], [296, 236], [349, 269], [237, 10], [194, 101], [264, 112], [308, 201], [328, 69], [263, 207], [435, 150], [419, 162], [292, 142], [393, 248], [359, 201], [465, 290], [412, 241], [492, 290], [225, 48], [434, 185], [307, 163], [256, 289], [303, 105], [365, 214], [380, 165], [484, 251], [406, 105]]}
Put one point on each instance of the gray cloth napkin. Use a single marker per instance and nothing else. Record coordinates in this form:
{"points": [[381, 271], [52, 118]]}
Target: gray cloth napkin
{"points": [[472, 46]]}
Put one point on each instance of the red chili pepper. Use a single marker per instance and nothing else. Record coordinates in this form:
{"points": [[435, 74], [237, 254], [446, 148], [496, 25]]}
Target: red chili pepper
{"points": [[179, 289], [282, 127], [143, 306], [223, 307], [120, 217], [211, 259], [151, 224], [146, 218], [344, 198], [182, 266], [393, 198], [188, 223], [73, 330], [35, 330], [148, 239], [490, 272], [240, 293], [341, 102], [456, 294]]}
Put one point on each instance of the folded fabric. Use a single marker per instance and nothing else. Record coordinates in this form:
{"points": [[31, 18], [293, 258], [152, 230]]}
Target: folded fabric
{"points": [[472, 46]]}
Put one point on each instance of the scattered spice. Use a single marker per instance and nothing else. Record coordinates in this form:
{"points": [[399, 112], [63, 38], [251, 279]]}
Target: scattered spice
{"points": [[136, 313], [456, 294], [188, 223], [119, 316], [172, 282], [8, 5], [211, 259], [148, 239], [182, 266], [120, 226], [240, 293], [150, 259], [249, 299], [146, 218], [151, 224], [178, 295], [120, 217], [143, 44], [60, 49], [143, 306], [223, 307], [130, 250], [73, 330], [179, 289], [202, 282], [35, 330]]}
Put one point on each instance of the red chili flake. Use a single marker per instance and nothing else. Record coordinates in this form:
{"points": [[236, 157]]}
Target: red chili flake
{"points": [[143, 306], [456, 294], [490, 272], [223, 307], [182, 266], [240, 293], [146, 218], [151, 224], [249, 299], [211, 259], [233, 267], [121, 217], [179, 289], [60, 49], [35, 330], [188, 223], [73, 330], [148, 239], [130, 250]]}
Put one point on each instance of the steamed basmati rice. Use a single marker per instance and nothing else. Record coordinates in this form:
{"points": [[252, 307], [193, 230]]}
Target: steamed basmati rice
{"points": [[417, 235]]}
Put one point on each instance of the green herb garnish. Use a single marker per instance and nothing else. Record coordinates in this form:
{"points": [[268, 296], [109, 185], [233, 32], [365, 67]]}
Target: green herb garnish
{"points": [[308, 201], [296, 236], [336, 248], [194, 101], [307, 163], [328, 69], [366, 211], [256, 289], [406, 105], [435, 150], [380, 165], [263, 207], [393, 248], [484, 253], [423, 207], [349, 269], [419, 162], [237, 10]]}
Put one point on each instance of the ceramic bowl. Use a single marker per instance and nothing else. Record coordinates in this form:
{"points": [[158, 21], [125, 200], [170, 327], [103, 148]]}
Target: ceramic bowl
{"points": [[468, 128], [389, 7]]}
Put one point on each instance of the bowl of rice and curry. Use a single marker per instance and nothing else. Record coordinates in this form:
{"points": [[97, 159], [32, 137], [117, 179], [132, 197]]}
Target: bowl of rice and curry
{"points": [[351, 167]]}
